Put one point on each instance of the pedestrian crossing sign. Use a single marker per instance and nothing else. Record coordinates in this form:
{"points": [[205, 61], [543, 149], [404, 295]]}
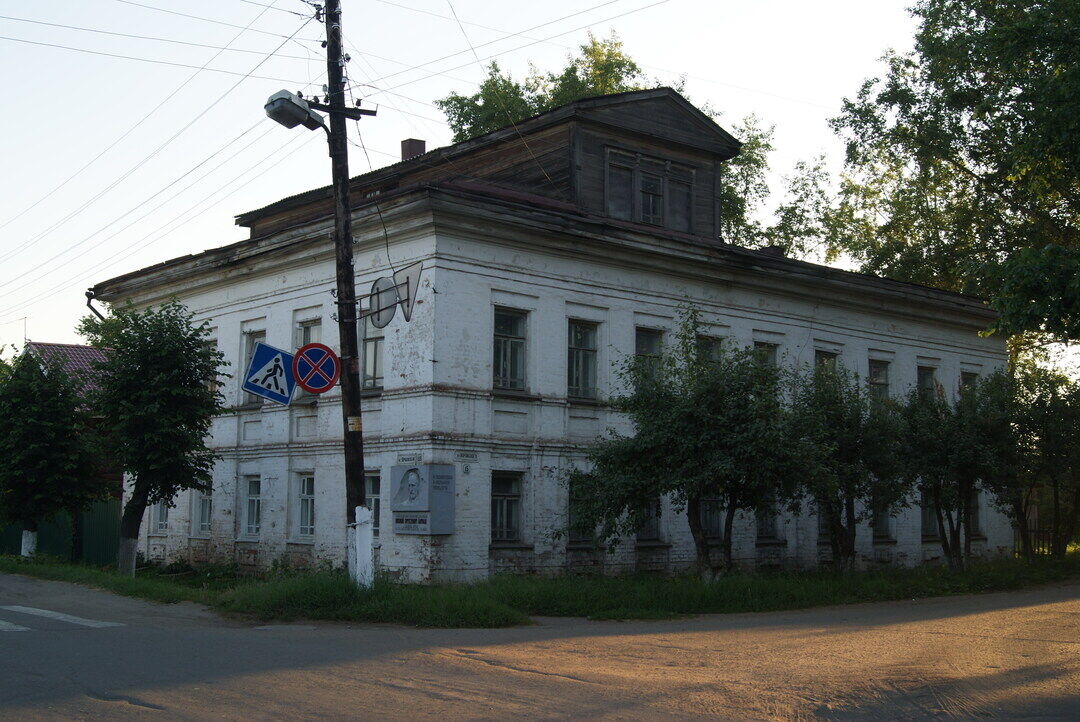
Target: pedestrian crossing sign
{"points": [[269, 374]]}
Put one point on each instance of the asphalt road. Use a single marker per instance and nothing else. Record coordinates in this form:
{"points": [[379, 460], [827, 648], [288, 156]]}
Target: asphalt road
{"points": [[1010, 655]]}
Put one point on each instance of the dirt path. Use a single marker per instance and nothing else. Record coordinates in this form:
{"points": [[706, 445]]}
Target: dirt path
{"points": [[1006, 655]]}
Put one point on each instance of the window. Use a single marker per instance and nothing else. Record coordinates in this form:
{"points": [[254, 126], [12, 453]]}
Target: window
{"points": [[373, 355], [712, 518], [505, 506], [647, 347], [509, 361], [968, 379], [823, 533], [307, 332], [581, 361], [930, 529], [709, 348], [159, 520], [649, 528], [974, 520], [925, 379], [765, 521], [202, 513], [649, 190], [878, 379], [881, 520], [212, 383], [372, 486], [765, 352], [576, 536], [252, 486], [652, 199], [305, 505], [825, 359], [250, 339]]}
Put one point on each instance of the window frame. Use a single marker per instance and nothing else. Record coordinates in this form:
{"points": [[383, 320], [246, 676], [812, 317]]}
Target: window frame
{"points": [[250, 339], [651, 358], [507, 518], [199, 528], [159, 519], [590, 354], [512, 342], [649, 530], [667, 172], [877, 388], [303, 338], [376, 338], [930, 373], [305, 518], [246, 525], [373, 497], [712, 517]]}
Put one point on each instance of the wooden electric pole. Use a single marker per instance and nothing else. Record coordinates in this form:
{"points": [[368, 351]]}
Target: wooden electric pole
{"points": [[346, 278]]}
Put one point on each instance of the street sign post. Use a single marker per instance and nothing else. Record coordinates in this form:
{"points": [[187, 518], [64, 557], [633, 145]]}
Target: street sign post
{"points": [[316, 368], [270, 374]]}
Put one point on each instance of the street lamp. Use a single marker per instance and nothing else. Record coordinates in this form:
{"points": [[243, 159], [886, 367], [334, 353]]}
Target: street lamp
{"points": [[290, 110]]}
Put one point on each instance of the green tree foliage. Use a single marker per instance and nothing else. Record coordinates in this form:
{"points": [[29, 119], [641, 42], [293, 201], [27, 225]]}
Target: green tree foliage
{"points": [[851, 463], [962, 161], [707, 429], [156, 395], [600, 68], [48, 464], [1050, 423]]}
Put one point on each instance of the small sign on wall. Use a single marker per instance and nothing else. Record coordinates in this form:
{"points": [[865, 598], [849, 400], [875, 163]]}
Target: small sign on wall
{"points": [[422, 500]]}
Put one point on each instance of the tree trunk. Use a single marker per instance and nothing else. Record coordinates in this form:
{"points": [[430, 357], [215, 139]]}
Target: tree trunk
{"points": [[29, 539], [1068, 526], [1022, 528], [966, 508], [701, 545], [76, 534], [847, 536], [729, 521], [950, 542], [130, 523], [1058, 543]]}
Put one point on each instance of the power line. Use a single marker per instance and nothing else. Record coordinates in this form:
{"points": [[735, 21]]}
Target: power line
{"points": [[506, 112], [526, 30], [208, 20], [157, 150], [129, 131], [142, 60], [520, 47], [131, 249], [152, 37]]}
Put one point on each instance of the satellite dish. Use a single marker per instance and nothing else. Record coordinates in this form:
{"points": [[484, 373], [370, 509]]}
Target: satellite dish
{"points": [[383, 302]]}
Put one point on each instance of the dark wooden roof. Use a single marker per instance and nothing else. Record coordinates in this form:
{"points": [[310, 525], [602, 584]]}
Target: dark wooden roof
{"points": [[707, 135]]}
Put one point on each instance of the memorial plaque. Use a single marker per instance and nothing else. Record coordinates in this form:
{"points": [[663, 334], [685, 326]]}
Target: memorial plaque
{"points": [[422, 500]]}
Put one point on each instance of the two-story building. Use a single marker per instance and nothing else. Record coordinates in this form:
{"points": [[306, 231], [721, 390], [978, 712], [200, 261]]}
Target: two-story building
{"points": [[550, 250]]}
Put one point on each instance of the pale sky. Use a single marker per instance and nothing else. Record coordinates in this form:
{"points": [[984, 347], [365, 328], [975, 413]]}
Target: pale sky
{"points": [[198, 149]]}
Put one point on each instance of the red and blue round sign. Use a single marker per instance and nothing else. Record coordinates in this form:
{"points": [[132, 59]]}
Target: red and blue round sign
{"points": [[316, 368]]}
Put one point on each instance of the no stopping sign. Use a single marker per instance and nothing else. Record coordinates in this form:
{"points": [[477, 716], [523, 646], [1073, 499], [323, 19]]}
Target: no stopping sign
{"points": [[316, 368]]}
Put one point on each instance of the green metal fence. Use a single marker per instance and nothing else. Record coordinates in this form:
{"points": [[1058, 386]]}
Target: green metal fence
{"points": [[100, 534]]}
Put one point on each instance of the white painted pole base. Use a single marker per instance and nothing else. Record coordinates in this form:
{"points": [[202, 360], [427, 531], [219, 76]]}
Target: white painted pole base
{"points": [[29, 543], [361, 553]]}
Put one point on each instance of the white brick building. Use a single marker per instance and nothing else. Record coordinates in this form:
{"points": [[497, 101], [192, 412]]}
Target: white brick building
{"points": [[596, 231]]}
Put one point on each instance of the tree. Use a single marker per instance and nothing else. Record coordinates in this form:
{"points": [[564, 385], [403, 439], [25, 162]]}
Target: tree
{"points": [[930, 463], [851, 467], [963, 161], [48, 463], [1005, 456], [708, 428], [600, 68], [156, 395], [1051, 422]]}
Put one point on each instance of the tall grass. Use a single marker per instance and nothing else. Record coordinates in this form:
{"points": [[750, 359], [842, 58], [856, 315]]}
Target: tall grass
{"points": [[510, 600]]}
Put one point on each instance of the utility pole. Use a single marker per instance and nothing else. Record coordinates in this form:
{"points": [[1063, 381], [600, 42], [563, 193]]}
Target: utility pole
{"points": [[346, 278]]}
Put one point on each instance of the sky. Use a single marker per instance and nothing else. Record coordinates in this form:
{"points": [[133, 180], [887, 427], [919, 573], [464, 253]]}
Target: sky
{"points": [[146, 149]]}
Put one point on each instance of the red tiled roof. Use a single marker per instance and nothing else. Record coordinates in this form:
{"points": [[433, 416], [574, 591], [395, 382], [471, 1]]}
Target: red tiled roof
{"points": [[77, 359]]}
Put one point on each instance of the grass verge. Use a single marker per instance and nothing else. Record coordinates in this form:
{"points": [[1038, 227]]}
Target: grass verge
{"points": [[510, 600]]}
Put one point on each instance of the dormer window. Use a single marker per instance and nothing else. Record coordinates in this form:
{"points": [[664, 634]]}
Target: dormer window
{"points": [[649, 190]]}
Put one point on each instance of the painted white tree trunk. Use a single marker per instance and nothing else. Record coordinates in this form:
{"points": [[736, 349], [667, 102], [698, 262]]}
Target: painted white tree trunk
{"points": [[361, 554], [29, 543]]}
